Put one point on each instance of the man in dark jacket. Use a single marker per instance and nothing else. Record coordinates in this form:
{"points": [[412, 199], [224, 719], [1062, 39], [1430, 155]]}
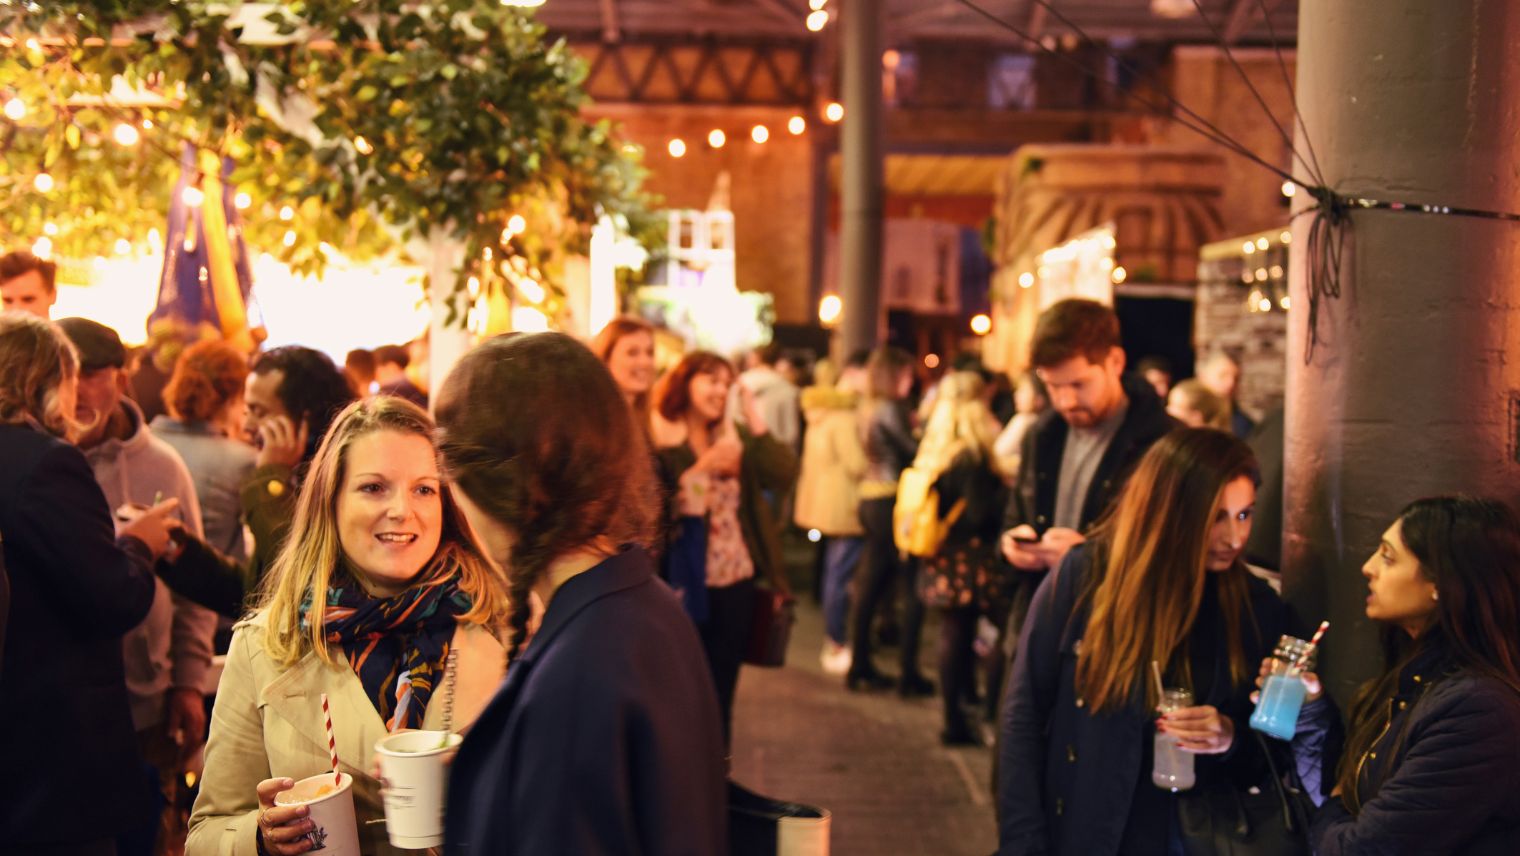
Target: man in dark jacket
{"points": [[1080, 452]]}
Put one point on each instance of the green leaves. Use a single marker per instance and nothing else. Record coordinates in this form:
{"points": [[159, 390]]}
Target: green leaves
{"points": [[467, 116]]}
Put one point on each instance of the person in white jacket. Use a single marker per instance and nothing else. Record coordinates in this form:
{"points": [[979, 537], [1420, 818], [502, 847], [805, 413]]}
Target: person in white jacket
{"points": [[166, 656]]}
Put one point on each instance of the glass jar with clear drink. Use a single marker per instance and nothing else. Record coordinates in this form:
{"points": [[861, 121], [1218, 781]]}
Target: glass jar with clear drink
{"points": [[1172, 768], [1283, 691]]}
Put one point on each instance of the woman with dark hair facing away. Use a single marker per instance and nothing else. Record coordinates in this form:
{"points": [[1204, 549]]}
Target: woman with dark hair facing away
{"points": [[605, 738], [79, 582], [1160, 580], [381, 601], [626, 346], [1432, 757], [890, 447], [717, 472]]}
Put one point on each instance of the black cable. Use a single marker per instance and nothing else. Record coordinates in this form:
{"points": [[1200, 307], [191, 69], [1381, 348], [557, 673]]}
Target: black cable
{"points": [[1255, 93], [1282, 65], [1216, 136]]}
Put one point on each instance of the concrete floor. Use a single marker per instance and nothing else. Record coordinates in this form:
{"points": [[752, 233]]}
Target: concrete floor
{"points": [[874, 760]]}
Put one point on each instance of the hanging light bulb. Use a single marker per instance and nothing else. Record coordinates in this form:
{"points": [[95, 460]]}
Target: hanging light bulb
{"points": [[716, 138], [760, 133], [1026, 280], [677, 148], [981, 325], [517, 224], [15, 109], [796, 125], [830, 308], [242, 201], [43, 182], [834, 112], [192, 196], [815, 5], [817, 20], [126, 134], [287, 213]]}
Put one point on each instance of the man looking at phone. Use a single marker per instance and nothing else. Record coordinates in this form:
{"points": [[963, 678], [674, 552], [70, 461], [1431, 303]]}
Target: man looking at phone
{"points": [[1078, 455], [167, 655], [291, 395]]}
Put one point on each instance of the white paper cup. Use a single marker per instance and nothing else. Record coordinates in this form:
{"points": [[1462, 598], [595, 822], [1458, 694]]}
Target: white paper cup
{"points": [[416, 785], [335, 831]]}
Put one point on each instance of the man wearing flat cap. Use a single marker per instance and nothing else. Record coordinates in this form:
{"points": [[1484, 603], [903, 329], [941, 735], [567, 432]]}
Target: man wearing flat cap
{"points": [[168, 654]]}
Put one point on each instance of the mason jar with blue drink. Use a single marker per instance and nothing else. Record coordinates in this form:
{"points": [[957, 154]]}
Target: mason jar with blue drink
{"points": [[1283, 691]]}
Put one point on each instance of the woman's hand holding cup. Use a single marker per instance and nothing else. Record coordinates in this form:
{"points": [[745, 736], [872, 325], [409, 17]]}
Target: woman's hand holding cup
{"points": [[1312, 684], [283, 829]]}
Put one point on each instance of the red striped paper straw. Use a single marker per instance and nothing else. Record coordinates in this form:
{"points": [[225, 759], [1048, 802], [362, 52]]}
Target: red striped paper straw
{"points": [[332, 742], [1303, 659]]}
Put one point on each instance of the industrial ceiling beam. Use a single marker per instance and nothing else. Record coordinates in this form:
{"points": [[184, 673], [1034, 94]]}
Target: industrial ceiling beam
{"points": [[611, 32]]}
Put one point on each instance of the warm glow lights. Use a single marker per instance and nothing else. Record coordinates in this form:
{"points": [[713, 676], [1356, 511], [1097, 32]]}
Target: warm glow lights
{"points": [[1248, 248], [760, 133], [1120, 274], [1262, 243], [981, 324], [362, 146], [242, 201], [15, 109], [290, 238], [517, 224], [830, 308], [287, 213], [43, 183], [123, 247], [677, 148], [1284, 302], [931, 361], [817, 20], [1286, 237], [815, 5], [42, 248], [834, 112], [49, 228], [716, 138], [1289, 189], [125, 134], [1026, 280], [531, 290], [193, 196], [796, 125]]}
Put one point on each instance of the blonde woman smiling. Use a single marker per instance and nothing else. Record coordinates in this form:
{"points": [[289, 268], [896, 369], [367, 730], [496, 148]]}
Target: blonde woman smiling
{"points": [[376, 586]]}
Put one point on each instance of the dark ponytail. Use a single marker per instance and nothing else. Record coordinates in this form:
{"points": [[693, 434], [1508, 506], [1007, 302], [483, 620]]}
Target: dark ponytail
{"points": [[533, 429]]}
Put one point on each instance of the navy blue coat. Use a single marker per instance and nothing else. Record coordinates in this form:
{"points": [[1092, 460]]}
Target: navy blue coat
{"points": [[1067, 776], [72, 771], [605, 737], [1444, 777]]}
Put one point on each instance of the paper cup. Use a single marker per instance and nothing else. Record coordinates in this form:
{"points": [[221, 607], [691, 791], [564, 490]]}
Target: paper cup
{"points": [[416, 782], [332, 812]]}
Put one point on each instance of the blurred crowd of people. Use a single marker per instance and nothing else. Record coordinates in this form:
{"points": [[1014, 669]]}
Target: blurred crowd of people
{"points": [[579, 549]]}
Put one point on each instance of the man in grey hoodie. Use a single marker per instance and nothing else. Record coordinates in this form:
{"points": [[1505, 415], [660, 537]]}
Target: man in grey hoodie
{"points": [[778, 399], [166, 656]]}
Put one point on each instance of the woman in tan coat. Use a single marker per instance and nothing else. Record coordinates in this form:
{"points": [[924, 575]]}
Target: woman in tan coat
{"points": [[408, 606], [828, 496]]}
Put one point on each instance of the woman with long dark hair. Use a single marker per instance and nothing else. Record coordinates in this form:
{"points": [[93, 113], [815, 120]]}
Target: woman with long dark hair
{"points": [[1160, 580], [717, 474], [605, 737], [1433, 744]]}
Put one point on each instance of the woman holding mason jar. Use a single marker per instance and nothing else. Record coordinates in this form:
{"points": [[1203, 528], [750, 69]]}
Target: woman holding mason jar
{"points": [[1432, 752], [1086, 765]]}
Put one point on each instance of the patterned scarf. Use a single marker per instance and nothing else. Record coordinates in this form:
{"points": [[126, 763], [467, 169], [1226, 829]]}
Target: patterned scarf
{"points": [[396, 645]]}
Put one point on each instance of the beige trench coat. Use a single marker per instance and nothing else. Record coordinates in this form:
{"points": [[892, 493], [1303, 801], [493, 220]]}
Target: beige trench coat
{"points": [[267, 722]]}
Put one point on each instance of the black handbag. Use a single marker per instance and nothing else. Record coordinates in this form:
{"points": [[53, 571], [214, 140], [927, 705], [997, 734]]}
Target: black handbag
{"points": [[775, 613], [1271, 819]]}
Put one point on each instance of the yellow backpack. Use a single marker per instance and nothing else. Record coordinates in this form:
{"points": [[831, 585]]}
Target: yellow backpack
{"points": [[917, 528]]}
